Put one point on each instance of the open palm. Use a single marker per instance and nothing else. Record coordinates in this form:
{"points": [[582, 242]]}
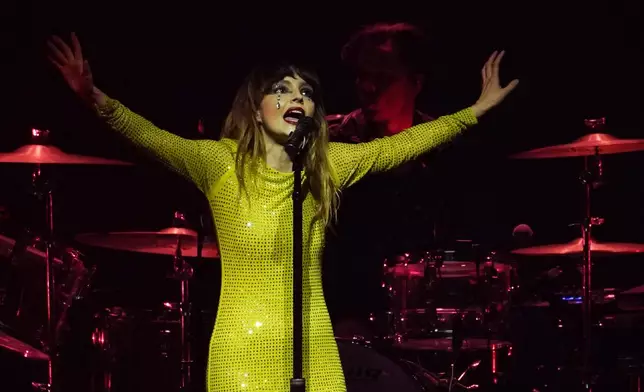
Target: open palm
{"points": [[69, 61], [491, 91]]}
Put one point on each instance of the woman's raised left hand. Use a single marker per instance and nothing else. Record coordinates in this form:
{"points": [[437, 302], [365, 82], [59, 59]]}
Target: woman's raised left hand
{"points": [[492, 93]]}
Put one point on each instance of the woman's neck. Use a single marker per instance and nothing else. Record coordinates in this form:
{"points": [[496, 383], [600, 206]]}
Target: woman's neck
{"points": [[276, 156]]}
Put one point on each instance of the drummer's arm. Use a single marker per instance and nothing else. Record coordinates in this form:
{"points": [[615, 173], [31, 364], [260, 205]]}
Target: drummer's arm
{"points": [[351, 162], [196, 160]]}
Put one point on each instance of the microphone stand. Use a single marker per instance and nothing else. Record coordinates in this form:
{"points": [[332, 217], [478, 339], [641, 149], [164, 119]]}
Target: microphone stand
{"points": [[298, 383], [43, 189]]}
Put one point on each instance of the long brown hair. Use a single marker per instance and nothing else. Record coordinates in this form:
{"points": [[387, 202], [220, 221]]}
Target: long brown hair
{"points": [[241, 125]]}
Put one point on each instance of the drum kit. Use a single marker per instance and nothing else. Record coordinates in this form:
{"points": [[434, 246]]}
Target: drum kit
{"points": [[43, 280], [447, 326], [465, 309]]}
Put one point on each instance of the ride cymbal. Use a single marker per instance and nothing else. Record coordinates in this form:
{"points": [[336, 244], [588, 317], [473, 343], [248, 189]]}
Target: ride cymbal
{"points": [[162, 242], [595, 143], [576, 247], [50, 155]]}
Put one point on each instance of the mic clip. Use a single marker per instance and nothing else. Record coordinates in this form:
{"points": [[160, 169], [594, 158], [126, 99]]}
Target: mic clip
{"points": [[298, 140]]}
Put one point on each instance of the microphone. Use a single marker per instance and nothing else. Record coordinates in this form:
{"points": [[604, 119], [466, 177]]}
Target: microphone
{"points": [[298, 139]]}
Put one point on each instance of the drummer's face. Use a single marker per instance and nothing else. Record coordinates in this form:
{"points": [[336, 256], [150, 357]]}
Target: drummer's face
{"points": [[385, 92]]}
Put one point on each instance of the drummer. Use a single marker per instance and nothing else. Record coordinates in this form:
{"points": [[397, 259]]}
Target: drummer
{"points": [[388, 62]]}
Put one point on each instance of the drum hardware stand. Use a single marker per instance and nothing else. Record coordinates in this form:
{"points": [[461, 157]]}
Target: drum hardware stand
{"points": [[43, 190], [102, 380], [481, 293], [183, 272], [590, 178], [586, 228], [457, 337]]}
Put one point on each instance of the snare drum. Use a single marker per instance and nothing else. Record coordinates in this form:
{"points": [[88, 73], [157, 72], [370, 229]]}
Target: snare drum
{"points": [[426, 292]]}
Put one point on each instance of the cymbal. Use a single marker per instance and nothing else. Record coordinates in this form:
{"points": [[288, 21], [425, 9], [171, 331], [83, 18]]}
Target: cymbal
{"points": [[162, 242], [576, 247], [12, 344], [49, 155], [595, 143]]}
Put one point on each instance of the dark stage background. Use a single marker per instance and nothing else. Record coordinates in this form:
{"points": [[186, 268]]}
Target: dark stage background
{"points": [[176, 63], [180, 62]]}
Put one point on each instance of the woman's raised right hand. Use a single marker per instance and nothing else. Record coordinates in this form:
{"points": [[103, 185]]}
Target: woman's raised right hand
{"points": [[74, 69]]}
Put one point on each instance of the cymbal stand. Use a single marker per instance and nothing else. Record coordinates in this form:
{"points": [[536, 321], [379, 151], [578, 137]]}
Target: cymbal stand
{"points": [[183, 272], [590, 179], [43, 190]]}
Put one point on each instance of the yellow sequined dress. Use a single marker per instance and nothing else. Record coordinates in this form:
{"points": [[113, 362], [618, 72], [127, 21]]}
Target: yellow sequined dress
{"points": [[251, 345]]}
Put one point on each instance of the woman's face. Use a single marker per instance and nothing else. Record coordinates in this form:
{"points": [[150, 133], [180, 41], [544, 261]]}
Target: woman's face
{"points": [[280, 110]]}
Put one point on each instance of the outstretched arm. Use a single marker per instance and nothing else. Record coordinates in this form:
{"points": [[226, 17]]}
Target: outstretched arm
{"points": [[351, 162], [200, 161]]}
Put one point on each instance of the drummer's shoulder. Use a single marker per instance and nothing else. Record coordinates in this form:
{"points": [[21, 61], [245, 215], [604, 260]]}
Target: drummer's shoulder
{"points": [[342, 127], [334, 121]]}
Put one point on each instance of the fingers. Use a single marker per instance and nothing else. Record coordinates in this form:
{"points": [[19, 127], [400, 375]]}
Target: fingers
{"points": [[487, 68], [56, 53], [512, 85], [87, 71], [483, 75], [496, 65], [62, 47], [55, 62], [78, 52], [504, 92], [498, 58]]}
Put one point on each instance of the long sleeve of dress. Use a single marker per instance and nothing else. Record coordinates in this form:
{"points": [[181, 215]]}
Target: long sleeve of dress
{"points": [[200, 161], [351, 162]]}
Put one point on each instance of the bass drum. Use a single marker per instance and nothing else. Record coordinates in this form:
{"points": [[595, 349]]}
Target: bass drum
{"points": [[367, 370]]}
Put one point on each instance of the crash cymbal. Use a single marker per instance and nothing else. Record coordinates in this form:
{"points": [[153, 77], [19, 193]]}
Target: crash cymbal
{"points": [[49, 155], [162, 242], [12, 344], [595, 143], [576, 247]]}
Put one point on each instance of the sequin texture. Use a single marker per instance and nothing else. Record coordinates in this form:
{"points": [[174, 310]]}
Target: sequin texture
{"points": [[251, 345]]}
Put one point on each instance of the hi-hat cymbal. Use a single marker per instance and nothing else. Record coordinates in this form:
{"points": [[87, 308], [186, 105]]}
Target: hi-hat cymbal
{"points": [[162, 242], [595, 143], [50, 155], [576, 247], [23, 349]]}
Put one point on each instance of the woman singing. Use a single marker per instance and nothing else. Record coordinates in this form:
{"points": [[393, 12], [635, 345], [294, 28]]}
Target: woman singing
{"points": [[248, 180]]}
